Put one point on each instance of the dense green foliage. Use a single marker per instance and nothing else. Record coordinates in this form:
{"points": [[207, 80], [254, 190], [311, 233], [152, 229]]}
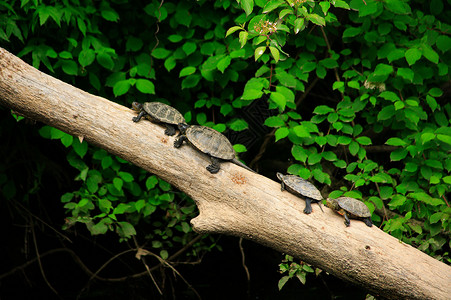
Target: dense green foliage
{"points": [[356, 95]]}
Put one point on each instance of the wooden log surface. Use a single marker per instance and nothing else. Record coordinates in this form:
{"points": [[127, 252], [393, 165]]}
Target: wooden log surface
{"points": [[234, 201]]}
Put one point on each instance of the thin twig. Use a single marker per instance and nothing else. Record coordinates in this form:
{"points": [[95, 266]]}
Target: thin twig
{"points": [[39, 260], [162, 261], [140, 257], [16, 203], [337, 77], [243, 262]]}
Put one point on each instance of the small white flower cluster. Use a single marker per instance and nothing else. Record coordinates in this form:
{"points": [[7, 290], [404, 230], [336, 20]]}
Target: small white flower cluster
{"points": [[265, 27], [374, 85]]}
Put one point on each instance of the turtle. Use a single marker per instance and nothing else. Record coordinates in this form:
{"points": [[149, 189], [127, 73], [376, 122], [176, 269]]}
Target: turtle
{"points": [[351, 208], [210, 142], [160, 113], [303, 188]]}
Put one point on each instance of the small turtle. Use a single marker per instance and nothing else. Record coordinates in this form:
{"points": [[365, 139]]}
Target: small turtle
{"points": [[210, 142], [303, 188], [160, 113], [350, 208]]}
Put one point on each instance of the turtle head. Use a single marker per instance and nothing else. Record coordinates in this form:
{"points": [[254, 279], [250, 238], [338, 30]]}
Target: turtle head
{"points": [[137, 106], [182, 127], [279, 176], [332, 203]]}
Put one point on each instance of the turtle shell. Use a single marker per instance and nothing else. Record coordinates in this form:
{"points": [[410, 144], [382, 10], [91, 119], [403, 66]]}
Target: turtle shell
{"points": [[300, 186], [354, 207], [164, 113], [210, 141]]}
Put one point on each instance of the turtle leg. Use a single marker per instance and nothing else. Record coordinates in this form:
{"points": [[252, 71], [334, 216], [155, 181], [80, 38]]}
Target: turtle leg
{"points": [[368, 222], [170, 130], [140, 115], [179, 141], [282, 186], [214, 167], [347, 221], [308, 205]]}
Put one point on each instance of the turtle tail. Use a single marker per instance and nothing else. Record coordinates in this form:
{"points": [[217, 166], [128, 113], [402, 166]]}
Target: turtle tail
{"points": [[237, 162], [320, 206]]}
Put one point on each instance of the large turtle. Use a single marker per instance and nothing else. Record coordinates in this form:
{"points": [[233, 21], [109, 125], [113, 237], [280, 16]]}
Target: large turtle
{"points": [[303, 188], [160, 113], [351, 208], [210, 142]]}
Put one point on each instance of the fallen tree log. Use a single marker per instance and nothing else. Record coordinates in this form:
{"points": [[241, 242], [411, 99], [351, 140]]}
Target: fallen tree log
{"points": [[234, 201]]}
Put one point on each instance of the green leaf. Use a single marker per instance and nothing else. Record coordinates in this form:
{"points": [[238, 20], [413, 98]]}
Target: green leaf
{"points": [[353, 148], [160, 53], [299, 25], [105, 60], [275, 53], [86, 57], [314, 158], [364, 140], [282, 282], [281, 133], [223, 63], [301, 131], [299, 153], [406, 73], [126, 229], [316, 19], [247, 6], [170, 63], [70, 67], [271, 5], [239, 148], [190, 81], [133, 44], [322, 110], [429, 53], [340, 4], [435, 92], [187, 71], [251, 94], [398, 154], [395, 142], [426, 137], [398, 7], [118, 183], [386, 113], [232, 30], [121, 87], [388, 95], [431, 102], [259, 52], [175, 38], [443, 43], [189, 48], [145, 86], [412, 55], [352, 32], [243, 38], [238, 125], [127, 177], [344, 140], [279, 99], [274, 121], [110, 15], [444, 138]]}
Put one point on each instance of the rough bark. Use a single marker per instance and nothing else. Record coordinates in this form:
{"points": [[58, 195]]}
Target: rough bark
{"points": [[234, 201]]}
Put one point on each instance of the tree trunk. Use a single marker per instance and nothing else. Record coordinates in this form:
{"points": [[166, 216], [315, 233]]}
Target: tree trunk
{"points": [[233, 201]]}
